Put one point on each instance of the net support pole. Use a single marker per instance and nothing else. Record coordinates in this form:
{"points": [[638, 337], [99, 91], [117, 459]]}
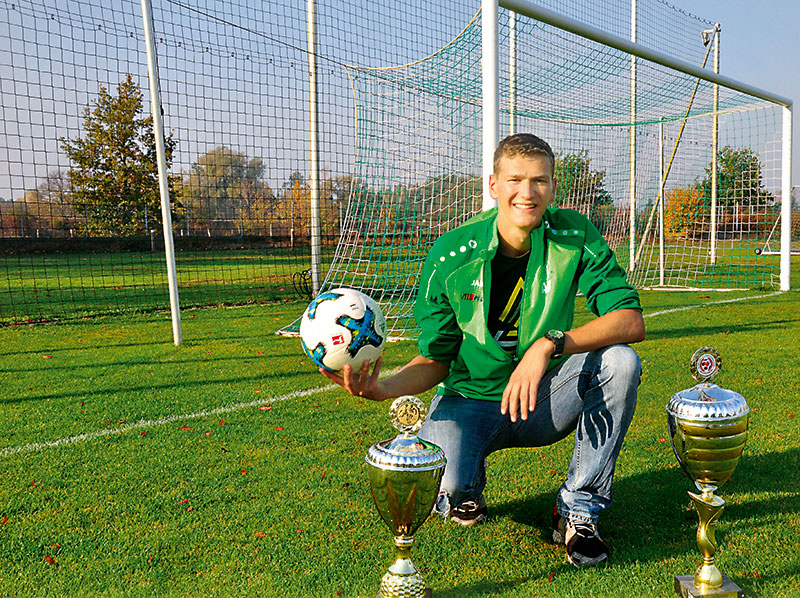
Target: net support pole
{"points": [[661, 204], [632, 149], [489, 91], [714, 148], [161, 158], [316, 233], [786, 201], [512, 72]]}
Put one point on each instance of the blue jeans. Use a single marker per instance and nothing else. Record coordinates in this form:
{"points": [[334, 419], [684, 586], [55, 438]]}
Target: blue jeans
{"points": [[592, 394]]}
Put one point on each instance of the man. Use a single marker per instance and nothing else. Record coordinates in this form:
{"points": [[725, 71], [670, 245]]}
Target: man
{"points": [[495, 307]]}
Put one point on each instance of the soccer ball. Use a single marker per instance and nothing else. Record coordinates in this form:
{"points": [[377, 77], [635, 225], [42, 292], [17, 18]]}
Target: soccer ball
{"points": [[342, 326]]}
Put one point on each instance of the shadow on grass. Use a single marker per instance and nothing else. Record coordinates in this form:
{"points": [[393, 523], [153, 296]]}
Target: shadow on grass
{"points": [[651, 519]]}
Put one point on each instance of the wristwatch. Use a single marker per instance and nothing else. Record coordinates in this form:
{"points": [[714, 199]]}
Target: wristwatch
{"points": [[558, 339]]}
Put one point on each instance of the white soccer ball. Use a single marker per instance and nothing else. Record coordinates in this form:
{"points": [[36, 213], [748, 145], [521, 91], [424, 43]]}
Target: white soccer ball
{"points": [[343, 326]]}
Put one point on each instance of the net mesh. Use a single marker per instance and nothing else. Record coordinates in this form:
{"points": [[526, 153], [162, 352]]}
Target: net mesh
{"points": [[399, 146]]}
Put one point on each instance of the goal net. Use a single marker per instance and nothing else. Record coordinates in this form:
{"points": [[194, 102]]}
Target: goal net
{"points": [[419, 149]]}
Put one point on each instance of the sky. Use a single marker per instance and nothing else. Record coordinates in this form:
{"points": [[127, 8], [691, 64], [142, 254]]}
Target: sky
{"points": [[759, 45]]}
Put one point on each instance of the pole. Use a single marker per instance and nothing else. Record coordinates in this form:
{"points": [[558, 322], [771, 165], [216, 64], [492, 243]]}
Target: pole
{"points": [[158, 128], [714, 148], [490, 94], [661, 204], [512, 72], [316, 267], [632, 147], [786, 201]]}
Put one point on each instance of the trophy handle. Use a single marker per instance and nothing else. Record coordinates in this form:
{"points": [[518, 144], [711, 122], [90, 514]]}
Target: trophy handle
{"points": [[709, 508]]}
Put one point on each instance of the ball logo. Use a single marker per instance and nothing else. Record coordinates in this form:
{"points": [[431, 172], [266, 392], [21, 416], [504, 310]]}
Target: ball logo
{"points": [[337, 340], [706, 365]]}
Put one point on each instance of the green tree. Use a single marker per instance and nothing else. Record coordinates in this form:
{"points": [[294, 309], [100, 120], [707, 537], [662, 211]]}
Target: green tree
{"points": [[228, 191], [114, 175], [739, 178], [582, 188]]}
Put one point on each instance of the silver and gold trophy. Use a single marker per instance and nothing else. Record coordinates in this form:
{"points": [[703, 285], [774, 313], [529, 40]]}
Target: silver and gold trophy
{"points": [[404, 475], [708, 430]]}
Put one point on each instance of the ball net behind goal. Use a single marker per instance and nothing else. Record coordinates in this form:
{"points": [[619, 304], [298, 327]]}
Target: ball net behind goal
{"points": [[417, 165]]}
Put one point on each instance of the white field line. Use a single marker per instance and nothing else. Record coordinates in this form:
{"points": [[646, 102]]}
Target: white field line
{"points": [[152, 423], [686, 307]]}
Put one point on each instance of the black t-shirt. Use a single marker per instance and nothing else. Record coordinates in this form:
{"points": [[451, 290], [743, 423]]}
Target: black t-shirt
{"points": [[508, 277]]}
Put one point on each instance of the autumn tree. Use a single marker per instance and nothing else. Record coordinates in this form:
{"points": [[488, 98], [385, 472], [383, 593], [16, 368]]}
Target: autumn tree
{"points": [[685, 212], [114, 175], [227, 189]]}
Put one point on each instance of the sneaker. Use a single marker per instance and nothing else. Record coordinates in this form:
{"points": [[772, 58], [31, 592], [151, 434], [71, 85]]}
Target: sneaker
{"points": [[585, 547], [469, 512]]}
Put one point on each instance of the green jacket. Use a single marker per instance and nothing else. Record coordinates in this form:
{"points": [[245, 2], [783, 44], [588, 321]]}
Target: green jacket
{"points": [[567, 254]]}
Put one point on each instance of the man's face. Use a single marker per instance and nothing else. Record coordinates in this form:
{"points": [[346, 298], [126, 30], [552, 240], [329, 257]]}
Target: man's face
{"points": [[523, 188]]}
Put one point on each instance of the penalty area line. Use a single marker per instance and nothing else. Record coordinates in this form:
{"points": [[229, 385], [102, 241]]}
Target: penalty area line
{"points": [[153, 423], [688, 307]]}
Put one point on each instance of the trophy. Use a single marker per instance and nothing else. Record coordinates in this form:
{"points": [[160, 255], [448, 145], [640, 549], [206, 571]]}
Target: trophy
{"points": [[708, 430], [404, 475]]}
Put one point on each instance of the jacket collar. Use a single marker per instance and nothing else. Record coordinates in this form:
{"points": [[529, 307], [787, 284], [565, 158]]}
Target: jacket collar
{"points": [[492, 238]]}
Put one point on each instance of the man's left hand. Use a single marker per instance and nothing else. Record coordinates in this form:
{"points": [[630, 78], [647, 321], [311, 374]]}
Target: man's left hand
{"points": [[519, 395]]}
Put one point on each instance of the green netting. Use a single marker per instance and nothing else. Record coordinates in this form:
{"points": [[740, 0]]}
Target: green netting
{"points": [[418, 155]]}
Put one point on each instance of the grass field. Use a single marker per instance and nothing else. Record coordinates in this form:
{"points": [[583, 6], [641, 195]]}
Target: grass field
{"points": [[227, 466]]}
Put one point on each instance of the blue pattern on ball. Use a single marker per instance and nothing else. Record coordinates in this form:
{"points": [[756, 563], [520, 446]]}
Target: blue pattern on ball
{"points": [[363, 331], [312, 307]]}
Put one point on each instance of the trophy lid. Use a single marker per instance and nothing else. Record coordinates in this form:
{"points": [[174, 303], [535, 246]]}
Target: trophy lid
{"points": [[707, 401], [406, 451]]}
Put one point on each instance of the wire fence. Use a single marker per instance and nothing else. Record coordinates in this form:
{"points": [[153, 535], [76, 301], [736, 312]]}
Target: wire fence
{"points": [[80, 222]]}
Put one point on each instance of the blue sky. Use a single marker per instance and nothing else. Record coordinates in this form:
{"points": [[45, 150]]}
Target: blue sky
{"points": [[759, 45]]}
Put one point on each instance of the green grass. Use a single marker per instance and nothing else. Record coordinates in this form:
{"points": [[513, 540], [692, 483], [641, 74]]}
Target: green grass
{"points": [[276, 502]]}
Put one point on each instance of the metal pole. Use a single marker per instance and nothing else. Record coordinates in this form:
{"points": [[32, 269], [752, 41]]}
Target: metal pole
{"points": [[632, 147], [489, 92], [316, 262], [534, 11], [661, 204], [714, 148], [158, 128], [512, 72], [786, 201]]}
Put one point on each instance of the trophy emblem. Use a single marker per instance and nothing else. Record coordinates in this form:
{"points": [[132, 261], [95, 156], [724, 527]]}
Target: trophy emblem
{"points": [[404, 475], [708, 431]]}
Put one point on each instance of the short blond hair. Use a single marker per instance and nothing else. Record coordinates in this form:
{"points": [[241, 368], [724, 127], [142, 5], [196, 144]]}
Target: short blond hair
{"points": [[523, 144]]}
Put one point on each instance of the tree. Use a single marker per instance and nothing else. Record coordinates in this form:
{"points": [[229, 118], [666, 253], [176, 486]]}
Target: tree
{"points": [[685, 212], [114, 176], [583, 188], [739, 179], [228, 191]]}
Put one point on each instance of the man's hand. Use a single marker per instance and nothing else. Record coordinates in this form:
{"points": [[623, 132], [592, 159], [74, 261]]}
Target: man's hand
{"points": [[359, 383], [520, 392]]}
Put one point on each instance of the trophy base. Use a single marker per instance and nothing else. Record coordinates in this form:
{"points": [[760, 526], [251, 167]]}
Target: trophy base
{"points": [[428, 593], [684, 585]]}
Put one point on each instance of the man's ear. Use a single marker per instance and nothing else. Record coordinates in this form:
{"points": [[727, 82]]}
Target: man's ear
{"points": [[492, 185]]}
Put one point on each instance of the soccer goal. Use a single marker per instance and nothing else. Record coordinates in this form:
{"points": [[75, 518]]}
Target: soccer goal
{"points": [[684, 171]]}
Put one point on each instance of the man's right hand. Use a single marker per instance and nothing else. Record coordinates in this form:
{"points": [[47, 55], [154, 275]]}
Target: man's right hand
{"points": [[359, 383]]}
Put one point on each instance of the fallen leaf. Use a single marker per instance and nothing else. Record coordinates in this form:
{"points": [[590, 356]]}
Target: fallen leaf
{"points": [[552, 471], [549, 579], [185, 427], [222, 422], [207, 434], [265, 408], [258, 390], [278, 428], [189, 508], [50, 560], [56, 546], [261, 535], [243, 472], [143, 433], [259, 352], [185, 500], [662, 439], [5, 520], [149, 559], [791, 415], [48, 356]]}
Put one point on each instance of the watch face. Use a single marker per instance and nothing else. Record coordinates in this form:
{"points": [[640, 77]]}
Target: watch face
{"points": [[555, 334]]}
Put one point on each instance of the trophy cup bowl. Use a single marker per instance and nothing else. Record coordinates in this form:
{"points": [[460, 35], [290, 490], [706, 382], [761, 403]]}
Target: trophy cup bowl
{"points": [[404, 476], [708, 431]]}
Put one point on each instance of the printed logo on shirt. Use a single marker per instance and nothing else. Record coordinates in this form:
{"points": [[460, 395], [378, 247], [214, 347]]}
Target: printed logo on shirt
{"points": [[471, 297]]}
